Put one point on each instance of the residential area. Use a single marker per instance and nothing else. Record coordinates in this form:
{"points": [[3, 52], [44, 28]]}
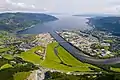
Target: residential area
{"points": [[97, 44]]}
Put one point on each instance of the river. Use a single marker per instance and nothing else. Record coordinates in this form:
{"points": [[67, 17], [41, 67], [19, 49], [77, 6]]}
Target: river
{"points": [[80, 55], [69, 22]]}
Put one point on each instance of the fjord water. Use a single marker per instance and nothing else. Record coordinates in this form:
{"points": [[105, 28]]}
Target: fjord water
{"points": [[69, 23], [64, 22]]}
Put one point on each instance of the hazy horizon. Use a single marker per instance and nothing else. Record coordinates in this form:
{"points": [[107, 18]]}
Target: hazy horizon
{"points": [[62, 6]]}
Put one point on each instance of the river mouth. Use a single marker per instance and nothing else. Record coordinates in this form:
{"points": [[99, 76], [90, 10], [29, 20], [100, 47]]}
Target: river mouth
{"points": [[70, 23], [64, 22]]}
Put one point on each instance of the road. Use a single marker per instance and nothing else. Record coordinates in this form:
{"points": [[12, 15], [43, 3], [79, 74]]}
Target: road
{"points": [[80, 55]]}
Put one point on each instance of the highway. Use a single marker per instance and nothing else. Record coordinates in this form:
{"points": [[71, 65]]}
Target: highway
{"points": [[80, 55]]}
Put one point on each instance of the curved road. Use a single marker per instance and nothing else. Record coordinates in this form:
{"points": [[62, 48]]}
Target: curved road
{"points": [[80, 55]]}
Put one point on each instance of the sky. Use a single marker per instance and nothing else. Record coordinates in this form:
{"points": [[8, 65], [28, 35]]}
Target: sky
{"points": [[62, 6]]}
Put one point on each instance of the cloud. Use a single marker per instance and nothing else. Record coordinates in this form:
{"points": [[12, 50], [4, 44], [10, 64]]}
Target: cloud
{"points": [[19, 4], [62, 6], [33, 6], [114, 9]]}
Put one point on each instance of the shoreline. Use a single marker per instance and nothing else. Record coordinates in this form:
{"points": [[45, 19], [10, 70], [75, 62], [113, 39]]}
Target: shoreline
{"points": [[17, 32]]}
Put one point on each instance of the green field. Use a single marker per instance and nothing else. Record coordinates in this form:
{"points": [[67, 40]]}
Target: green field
{"points": [[53, 62], [21, 75], [8, 56], [31, 56], [6, 66], [18, 72], [21, 72], [115, 69], [4, 49]]}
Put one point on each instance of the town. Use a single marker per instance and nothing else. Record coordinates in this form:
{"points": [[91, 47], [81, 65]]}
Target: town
{"points": [[98, 44]]}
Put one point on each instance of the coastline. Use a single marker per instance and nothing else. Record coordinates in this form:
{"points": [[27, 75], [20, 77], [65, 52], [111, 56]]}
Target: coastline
{"points": [[24, 29]]}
